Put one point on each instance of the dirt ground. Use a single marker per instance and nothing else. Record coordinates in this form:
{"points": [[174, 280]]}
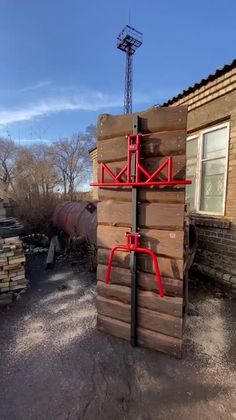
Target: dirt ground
{"points": [[55, 364]]}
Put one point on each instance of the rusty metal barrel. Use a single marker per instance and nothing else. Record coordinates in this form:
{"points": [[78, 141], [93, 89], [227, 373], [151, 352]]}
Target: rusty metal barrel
{"points": [[77, 219]]}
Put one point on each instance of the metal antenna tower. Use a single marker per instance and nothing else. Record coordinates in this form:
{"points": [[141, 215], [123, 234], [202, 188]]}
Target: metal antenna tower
{"points": [[129, 40]]}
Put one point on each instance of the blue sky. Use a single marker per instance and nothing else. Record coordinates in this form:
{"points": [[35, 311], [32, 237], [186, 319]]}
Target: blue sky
{"points": [[60, 67]]}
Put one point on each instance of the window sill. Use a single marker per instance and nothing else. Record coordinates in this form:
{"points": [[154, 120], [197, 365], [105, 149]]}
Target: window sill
{"points": [[210, 221]]}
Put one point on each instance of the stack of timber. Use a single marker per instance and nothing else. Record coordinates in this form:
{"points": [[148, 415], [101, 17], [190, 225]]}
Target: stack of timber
{"points": [[12, 265], [161, 221]]}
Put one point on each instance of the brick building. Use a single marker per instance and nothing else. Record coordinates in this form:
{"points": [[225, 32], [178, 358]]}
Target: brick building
{"points": [[211, 165]]}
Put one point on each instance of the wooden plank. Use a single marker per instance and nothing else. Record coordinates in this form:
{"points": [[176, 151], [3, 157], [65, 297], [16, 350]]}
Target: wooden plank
{"points": [[51, 253], [13, 261], [154, 215], [151, 164], [154, 144], [146, 281], [163, 242], [172, 287], [151, 121], [169, 267], [146, 338], [150, 320], [13, 240], [150, 300], [153, 195], [13, 267]]}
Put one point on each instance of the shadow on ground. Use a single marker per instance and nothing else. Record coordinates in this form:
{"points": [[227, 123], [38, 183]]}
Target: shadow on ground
{"points": [[56, 365]]}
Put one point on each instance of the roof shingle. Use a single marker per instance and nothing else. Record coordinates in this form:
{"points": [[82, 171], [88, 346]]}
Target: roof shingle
{"points": [[203, 82]]}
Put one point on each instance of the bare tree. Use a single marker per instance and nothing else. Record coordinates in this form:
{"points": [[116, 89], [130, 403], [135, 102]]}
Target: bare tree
{"points": [[45, 171], [34, 175], [35, 182], [90, 136], [71, 157], [8, 151], [35, 171]]}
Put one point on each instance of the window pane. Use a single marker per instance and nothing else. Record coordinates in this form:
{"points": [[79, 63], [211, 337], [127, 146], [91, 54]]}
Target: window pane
{"points": [[192, 148], [190, 193], [191, 167], [191, 171], [213, 167], [215, 143], [212, 185]]}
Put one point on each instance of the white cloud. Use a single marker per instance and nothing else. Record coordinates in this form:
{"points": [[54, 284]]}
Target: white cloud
{"points": [[36, 86], [85, 102], [53, 105], [70, 101]]}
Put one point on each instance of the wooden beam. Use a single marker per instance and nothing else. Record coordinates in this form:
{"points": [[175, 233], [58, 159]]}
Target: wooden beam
{"points": [[169, 267], [150, 300], [150, 195], [153, 215], [163, 242], [151, 164], [147, 319], [167, 143], [146, 338], [151, 121], [146, 281]]}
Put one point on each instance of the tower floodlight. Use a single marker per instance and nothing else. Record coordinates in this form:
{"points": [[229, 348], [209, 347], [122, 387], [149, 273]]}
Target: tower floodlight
{"points": [[128, 41]]}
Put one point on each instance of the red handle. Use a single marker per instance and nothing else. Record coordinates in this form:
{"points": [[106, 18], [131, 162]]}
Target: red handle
{"points": [[132, 247]]}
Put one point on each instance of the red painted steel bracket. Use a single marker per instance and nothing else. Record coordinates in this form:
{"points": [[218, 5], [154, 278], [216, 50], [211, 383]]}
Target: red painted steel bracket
{"points": [[132, 244], [134, 145], [132, 239]]}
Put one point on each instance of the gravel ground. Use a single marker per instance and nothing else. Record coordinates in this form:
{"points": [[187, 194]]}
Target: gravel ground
{"points": [[55, 364]]}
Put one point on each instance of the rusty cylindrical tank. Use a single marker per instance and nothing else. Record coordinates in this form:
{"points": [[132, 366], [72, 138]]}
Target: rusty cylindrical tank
{"points": [[77, 219]]}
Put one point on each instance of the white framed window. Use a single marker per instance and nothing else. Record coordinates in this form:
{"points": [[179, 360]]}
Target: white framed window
{"points": [[207, 164]]}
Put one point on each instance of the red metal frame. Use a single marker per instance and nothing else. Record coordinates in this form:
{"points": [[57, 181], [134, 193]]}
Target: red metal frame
{"points": [[132, 244], [134, 146], [132, 239]]}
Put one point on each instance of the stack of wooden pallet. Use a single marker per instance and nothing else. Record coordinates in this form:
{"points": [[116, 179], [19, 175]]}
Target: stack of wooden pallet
{"points": [[12, 262], [161, 216]]}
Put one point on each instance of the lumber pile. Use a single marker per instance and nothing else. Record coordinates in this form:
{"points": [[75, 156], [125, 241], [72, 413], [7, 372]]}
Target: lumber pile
{"points": [[12, 265], [161, 219]]}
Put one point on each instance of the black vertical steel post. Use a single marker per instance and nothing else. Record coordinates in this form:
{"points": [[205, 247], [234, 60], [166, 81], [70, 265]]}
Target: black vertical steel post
{"points": [[133, 262]]}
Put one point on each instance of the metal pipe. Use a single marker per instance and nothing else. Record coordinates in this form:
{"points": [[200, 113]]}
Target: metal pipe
{"points": [[141, 184], [133, 256]]}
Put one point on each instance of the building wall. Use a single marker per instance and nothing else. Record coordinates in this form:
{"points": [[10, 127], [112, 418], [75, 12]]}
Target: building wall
{"points": [[209, 105], [213, 90]]}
